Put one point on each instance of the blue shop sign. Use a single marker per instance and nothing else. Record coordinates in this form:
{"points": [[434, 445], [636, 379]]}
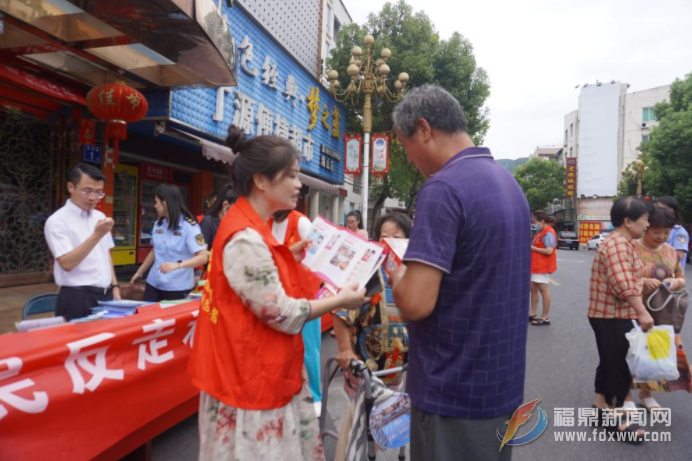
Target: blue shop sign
{"points": [[275, 95]]}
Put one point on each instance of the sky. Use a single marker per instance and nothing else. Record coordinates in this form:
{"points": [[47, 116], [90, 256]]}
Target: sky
{"points": [[537, 51]]}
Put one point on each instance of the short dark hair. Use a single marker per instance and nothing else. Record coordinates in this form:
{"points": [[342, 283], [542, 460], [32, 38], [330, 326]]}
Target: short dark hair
{"points": [[662, 217], [174, 203], [401, 220], [433, 104], [269, 156], [75, 174], [671, 203], [225, 194], [627, 207], [356, 214]]}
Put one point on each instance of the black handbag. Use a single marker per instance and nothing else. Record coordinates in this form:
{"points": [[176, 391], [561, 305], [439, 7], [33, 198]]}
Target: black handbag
{"points": [[668, 307]]}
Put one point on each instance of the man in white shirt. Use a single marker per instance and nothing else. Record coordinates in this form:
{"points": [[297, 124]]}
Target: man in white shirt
{"points": [[80, 240]]}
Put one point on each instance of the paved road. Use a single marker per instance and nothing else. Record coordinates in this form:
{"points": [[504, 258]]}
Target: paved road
{"points": [[562, 359]]}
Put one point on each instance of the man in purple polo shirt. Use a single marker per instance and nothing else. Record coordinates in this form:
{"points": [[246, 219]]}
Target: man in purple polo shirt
{"points": [[465, 286]]}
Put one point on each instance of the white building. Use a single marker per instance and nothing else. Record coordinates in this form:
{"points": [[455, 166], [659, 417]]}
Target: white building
{"points": [[604, 135], [546, 152]]}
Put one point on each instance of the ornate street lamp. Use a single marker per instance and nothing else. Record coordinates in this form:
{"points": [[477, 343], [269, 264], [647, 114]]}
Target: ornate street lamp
{"points": [[368, 76]]}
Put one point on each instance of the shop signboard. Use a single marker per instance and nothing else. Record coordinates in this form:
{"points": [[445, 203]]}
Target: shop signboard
{"points": [[274, 96]]}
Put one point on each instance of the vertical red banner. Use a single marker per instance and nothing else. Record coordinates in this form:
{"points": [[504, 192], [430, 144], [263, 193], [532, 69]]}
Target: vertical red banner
{"points": [[353, 145], [380, 154], [571, 177]]}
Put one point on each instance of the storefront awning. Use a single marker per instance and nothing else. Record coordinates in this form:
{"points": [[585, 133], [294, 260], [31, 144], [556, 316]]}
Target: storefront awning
{"points": [[221, 153], [162, 43]]}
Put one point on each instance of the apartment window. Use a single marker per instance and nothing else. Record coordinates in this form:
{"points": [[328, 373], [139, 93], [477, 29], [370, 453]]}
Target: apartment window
{"points": [[645, 137], [571, 130], [648, 114], [337, 27], [570, 152], [329, 19], [565, 143]]}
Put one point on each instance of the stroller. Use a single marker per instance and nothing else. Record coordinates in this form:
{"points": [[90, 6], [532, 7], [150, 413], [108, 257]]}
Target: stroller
{"points": [[358, 370]]}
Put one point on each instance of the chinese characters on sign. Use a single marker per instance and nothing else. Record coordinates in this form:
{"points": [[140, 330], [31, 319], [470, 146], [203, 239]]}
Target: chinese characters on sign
{"points": [[328, 158], [588, 229], [571, 177], [313, 106]]}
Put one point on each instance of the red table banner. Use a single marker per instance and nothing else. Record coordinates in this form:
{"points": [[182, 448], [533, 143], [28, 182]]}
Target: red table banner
{"points": [[76, 391]]}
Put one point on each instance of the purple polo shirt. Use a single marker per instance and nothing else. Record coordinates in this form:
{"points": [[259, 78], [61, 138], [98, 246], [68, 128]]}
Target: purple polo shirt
{"points": [[468, 358]]}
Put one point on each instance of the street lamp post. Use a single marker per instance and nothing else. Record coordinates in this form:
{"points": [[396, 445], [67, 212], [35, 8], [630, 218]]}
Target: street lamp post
{"points": [[368, 76]]}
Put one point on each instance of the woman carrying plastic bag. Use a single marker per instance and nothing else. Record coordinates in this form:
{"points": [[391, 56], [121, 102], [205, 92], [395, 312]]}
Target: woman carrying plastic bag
{"points": [[651, 356]]}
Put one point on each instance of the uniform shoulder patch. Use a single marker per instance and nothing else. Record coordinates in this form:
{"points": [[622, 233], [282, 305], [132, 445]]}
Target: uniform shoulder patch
{"points": [[200, 239], [682, 238], [190, 220]]}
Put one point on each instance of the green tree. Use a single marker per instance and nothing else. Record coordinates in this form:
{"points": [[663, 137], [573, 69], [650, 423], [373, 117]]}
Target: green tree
{"points": [[668, 153], [418, 50], [542, 182]]}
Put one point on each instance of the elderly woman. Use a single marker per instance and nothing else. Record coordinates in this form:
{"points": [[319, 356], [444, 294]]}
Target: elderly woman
{"points": [[615, 300], [662, 266]]}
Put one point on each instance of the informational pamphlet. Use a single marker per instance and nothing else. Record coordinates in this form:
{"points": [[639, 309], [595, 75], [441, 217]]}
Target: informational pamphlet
{"points": [[341, 257], [395, 256]]}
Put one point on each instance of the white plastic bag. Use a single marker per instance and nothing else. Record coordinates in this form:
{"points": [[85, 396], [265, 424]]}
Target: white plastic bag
{"points": [[652, 356]]}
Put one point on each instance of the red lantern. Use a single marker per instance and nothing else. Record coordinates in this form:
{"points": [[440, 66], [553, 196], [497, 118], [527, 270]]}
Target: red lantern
{"points": [[119, 105]]}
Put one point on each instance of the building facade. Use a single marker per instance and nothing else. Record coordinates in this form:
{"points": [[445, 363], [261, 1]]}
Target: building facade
{"points": [[604, 136]]}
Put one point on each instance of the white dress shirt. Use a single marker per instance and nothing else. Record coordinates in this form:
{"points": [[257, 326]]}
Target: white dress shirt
{"points": [[68, 228]]}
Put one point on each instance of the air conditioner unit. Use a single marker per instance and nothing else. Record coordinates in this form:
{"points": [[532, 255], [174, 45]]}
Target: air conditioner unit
{"points": [[643, 125]]}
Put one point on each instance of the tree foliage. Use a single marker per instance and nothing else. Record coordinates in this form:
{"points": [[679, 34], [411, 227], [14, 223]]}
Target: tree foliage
{"points": [[418, 50], [542, 182], [668, 153]]}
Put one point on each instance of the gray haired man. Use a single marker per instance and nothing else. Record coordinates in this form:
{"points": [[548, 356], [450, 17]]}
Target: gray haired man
{"points": [[465, 286]]}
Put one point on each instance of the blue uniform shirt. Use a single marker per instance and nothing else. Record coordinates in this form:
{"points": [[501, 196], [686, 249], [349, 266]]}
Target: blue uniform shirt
{"points": [[679, 239], [173, 245]]}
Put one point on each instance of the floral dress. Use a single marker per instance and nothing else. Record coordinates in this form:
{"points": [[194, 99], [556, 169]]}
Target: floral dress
{"points": [[290, 432], [661, 264]]}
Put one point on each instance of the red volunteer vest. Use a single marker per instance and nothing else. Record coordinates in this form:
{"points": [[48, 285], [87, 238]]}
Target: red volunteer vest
{"points": [[236, 358], [542, 264], [292, 235]]}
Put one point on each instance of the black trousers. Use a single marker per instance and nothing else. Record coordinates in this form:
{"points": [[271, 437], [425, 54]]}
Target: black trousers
{"points": [[154, 295], [76, 302], [613, 377]]}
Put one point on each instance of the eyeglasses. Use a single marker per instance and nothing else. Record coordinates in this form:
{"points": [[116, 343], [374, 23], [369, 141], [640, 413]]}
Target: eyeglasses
{"points": [[99, 194]]}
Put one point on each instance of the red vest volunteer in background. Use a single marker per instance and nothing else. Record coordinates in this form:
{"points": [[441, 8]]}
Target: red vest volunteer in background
{"points": [[540, 263]]}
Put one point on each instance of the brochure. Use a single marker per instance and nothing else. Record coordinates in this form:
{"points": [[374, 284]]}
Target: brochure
{"points": [[396, 251], [341, 257]]}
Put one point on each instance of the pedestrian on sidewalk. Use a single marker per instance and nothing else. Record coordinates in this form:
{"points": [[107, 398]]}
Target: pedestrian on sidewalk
{"points": [[218, 209], [679, 238], [615, 300], [178, 247], [247, 357], [290, 227], [661, 266], [543, 263], [354, 222], [465, 285], [80, 240]]}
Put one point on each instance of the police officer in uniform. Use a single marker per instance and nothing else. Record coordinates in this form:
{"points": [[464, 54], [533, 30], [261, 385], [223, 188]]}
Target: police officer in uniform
{"points": [[679, 238], [179, 247]]}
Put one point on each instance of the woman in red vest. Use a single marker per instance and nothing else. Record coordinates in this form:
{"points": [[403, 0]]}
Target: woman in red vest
{"points": [[247, 357], [290, 227], [543, 262]]}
